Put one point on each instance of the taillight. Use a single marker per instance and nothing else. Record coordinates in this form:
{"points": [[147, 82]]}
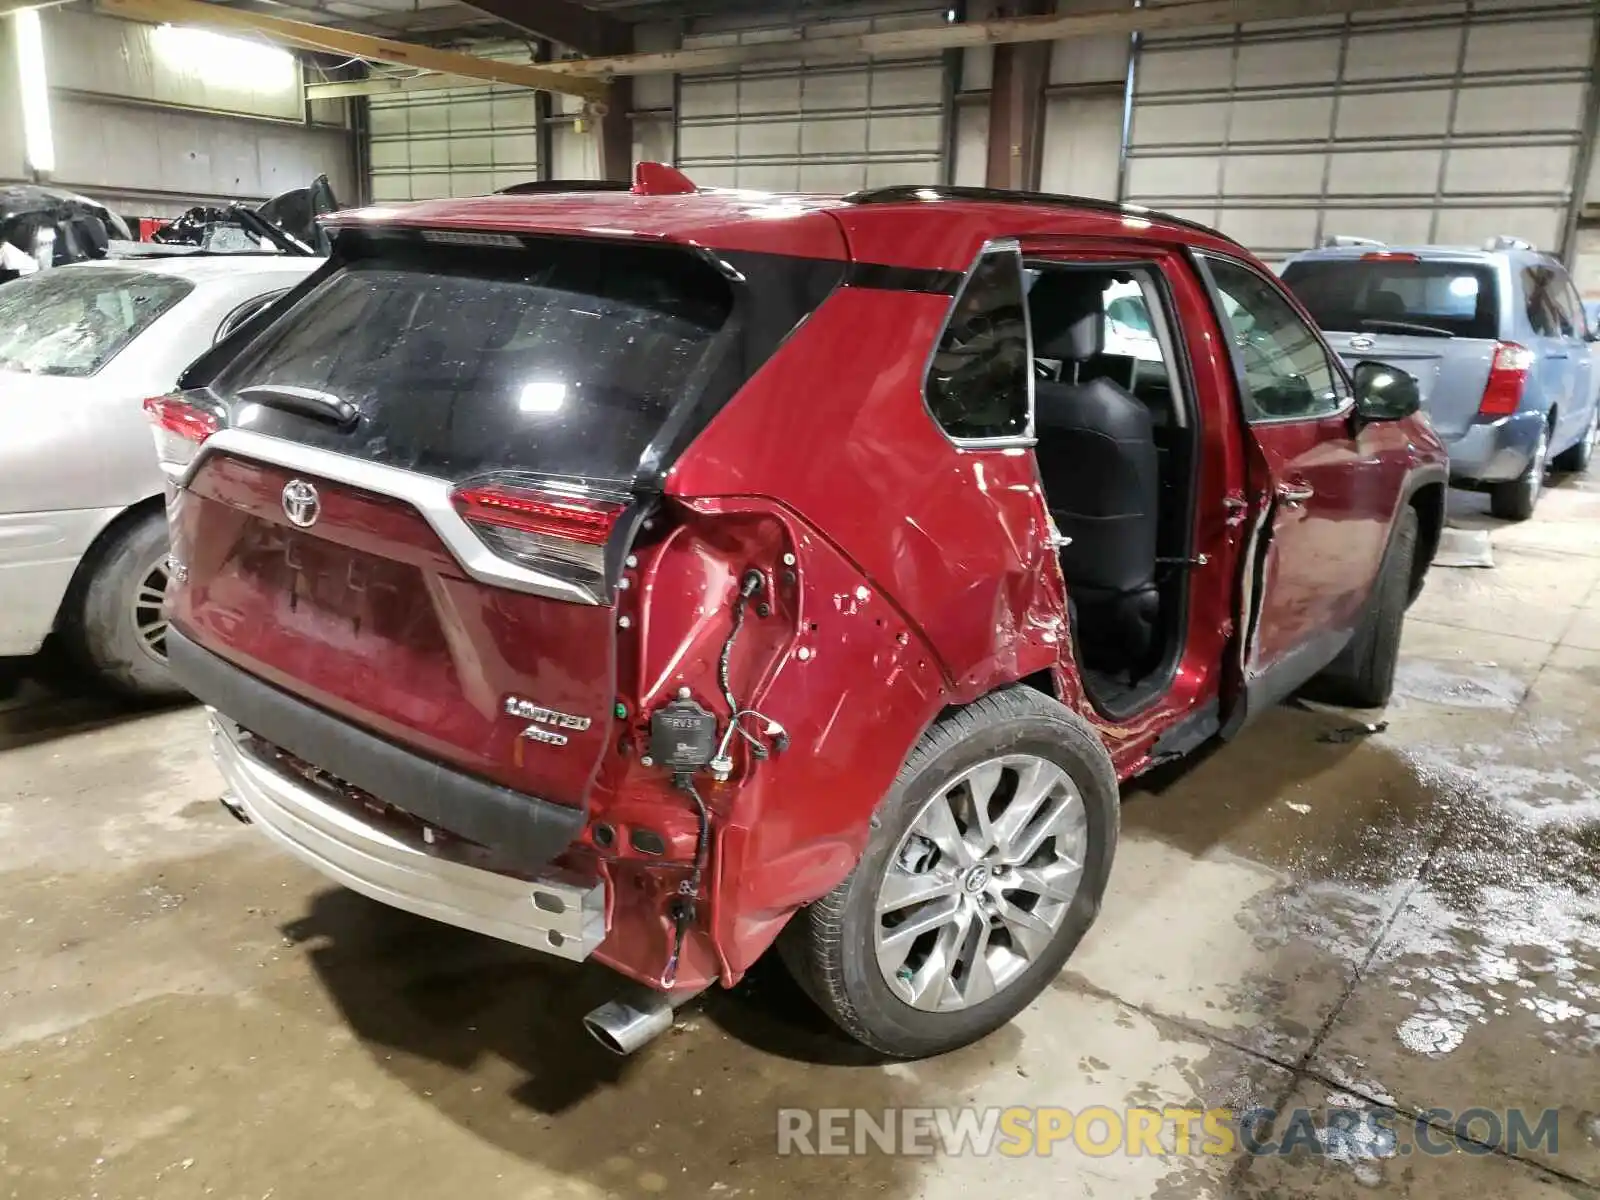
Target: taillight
{"points": [[556, 532], [1389, 256], [180, 426], [1508, 372]]}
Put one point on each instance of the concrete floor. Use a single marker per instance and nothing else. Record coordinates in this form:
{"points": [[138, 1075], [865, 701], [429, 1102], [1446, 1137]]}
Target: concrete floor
{"points": [[1303, 917]]}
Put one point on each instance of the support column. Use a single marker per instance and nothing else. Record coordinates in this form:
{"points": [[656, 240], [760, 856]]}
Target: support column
{"points": [[1016, 105], [616, 127]]}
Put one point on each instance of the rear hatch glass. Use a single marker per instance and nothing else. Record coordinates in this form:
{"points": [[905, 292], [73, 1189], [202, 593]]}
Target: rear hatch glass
{"points": [[1384, 295], [1433, 318], [72, 321], [563, 358]]}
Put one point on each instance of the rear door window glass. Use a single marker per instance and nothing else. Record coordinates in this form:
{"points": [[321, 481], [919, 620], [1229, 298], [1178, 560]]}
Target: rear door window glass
{"points": [[1563, 303], [1381, 294], [74, 320], [563, 358], [979, 385], [1538, 293], [247, 310]]}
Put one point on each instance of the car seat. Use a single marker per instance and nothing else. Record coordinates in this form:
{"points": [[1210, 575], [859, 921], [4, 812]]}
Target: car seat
{"points": [[1098, 463]]}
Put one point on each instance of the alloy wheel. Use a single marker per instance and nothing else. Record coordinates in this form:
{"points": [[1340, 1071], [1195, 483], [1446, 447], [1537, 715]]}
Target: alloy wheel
{"points": [[1537, 468], [150, 612], [979, 885]]}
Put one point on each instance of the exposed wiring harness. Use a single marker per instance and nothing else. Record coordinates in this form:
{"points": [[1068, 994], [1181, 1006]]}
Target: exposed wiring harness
{"points": [[722, 765], [748, 587], [683, 905]]}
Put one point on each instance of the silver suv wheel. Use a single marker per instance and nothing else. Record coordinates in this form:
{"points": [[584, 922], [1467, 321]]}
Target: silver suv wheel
{"points": [[980, 882]]}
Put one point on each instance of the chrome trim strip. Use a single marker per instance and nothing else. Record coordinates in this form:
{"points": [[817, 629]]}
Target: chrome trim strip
{"points": [[557, 916], [428, 495]]}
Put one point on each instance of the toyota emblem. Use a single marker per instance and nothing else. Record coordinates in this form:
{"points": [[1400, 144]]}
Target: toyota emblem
{"points": [[301, 504], [1362, 342]]}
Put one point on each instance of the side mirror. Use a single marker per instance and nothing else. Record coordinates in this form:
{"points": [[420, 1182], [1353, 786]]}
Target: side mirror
{"points": [[1385, 393]]}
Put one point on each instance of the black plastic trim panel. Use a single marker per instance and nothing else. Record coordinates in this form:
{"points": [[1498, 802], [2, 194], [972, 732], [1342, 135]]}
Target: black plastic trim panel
{"points": [[902, 279]]}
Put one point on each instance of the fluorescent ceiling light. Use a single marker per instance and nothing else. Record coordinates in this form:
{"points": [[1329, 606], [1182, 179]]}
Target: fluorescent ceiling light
{"points": [[244, 64], [39, 144]]}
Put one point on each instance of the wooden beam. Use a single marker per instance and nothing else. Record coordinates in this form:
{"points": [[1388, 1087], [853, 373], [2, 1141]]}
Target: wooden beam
{"points": [[1179, 14], [582, 29], [356, 45], [7, 7]]}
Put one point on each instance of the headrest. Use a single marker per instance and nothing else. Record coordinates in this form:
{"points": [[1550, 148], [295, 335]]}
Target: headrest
{"points": [[1068, 313]]}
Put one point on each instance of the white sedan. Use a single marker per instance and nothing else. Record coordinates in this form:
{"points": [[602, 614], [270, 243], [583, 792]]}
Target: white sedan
{"points": [[83, 535]]}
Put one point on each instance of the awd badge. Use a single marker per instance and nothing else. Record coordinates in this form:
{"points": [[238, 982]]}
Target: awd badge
{"points": [[545, 721]]}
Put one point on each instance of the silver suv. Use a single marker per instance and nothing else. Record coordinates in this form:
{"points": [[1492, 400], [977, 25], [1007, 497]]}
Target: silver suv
{"points": [[1496, 337]]}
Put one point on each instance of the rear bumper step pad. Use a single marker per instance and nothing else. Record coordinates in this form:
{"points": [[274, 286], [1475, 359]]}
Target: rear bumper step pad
{"points": [[560, 916]]}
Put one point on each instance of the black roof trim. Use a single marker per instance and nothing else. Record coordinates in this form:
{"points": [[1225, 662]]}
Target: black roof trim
{"points": [[540, 187], [902, 193]]}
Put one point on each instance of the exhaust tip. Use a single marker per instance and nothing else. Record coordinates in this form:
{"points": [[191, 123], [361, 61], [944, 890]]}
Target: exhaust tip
{"points": [[623, 1026]]}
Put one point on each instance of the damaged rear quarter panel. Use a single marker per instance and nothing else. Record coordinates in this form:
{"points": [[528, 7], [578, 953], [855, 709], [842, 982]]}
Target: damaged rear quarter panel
{"points": [[927, 578]]}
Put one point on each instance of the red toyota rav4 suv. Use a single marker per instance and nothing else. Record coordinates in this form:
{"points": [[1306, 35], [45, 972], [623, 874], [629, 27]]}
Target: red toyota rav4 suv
{"points": [[640, 576]]}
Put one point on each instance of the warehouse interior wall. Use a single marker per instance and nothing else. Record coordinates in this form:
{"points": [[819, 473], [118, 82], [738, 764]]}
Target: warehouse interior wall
{"points": [[1443, 125], [149, 119], [815, 126], [13, 164]]}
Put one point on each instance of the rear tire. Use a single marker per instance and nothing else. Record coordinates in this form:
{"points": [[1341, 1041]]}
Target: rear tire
{"points": [[1575, 460], [968, 974], [1363, 674], [1516, 500], [117, 628]]}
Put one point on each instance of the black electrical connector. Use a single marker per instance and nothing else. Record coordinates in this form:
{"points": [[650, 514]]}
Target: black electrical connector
{"points": [[683, 736]]}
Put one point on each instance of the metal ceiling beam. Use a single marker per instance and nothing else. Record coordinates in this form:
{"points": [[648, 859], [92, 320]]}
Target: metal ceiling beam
{"points": [[1179, 14], [306, 36], [583, 29], [7, 7]]}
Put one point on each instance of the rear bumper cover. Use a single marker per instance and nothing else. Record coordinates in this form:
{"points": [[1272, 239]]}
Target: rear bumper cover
{"points": [[1494, 451], [39, 554], [521, 832], [559, 916]]}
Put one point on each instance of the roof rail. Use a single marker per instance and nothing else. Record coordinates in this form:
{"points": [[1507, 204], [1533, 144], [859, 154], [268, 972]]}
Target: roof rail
{"points": [[1341, 239], [540, 187], [901, 193], [1502, 241]]}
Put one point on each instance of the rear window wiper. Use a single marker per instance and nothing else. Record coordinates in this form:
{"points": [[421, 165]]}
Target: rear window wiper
{"points": [[303, 402], [1405, 327]]}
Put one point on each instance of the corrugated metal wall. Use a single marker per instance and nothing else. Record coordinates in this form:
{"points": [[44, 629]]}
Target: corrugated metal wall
{"points": [[817, 127], [1446, 127], [141, 126]]}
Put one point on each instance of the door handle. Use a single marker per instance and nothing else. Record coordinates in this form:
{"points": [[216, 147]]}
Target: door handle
{"points": [[1561, 357], [1295, 492]]}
